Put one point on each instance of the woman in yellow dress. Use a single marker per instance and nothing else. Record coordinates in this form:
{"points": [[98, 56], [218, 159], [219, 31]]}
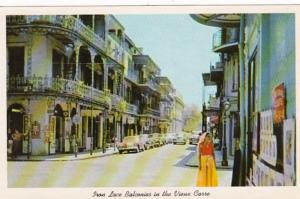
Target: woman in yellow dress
{"points": [[207, 173]]}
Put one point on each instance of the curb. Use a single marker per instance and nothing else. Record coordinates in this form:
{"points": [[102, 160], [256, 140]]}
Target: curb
{"points": [[83, 158], [217, 167]]}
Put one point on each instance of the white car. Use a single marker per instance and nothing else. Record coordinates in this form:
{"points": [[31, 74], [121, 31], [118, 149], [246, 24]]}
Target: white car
{"points": [[131, 143], [179, 139]]}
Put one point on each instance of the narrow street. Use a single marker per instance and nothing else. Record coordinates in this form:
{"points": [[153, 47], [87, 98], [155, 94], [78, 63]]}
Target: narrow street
{"points": [[163, 166]]}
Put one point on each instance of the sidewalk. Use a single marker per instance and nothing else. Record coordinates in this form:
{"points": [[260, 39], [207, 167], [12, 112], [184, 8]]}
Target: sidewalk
{"points": [[67, 156], [193, 161]]}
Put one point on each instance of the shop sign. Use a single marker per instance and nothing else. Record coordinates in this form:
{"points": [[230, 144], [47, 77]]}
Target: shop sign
{"points": [[52, 129], [214, 119], [214, 103], [130, 120], [278, 104], [35, 133], [26, 124]]}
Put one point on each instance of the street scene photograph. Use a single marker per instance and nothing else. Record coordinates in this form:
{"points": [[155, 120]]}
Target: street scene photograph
{"points": [[151, 100]]}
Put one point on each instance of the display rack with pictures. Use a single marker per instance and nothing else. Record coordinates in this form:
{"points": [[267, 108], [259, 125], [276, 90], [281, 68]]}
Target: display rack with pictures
{"points": [[256, 133], [268, 141], [289, 151], [266, 176]]}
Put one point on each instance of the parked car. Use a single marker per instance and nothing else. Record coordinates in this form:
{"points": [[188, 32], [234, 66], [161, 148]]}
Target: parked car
{"points": [[131, 143], [194, 138], [162, 138], [179, 139], [146, 140], [155, 139], [169, 138]]}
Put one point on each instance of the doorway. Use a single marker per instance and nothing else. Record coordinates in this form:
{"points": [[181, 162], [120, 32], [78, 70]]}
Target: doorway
{"points": [[15, 117], [59, 126]]}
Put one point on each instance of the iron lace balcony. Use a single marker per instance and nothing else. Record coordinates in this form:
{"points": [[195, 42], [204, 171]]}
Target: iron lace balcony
{"points": [[55, 87], [225, 40], [66, 22]]}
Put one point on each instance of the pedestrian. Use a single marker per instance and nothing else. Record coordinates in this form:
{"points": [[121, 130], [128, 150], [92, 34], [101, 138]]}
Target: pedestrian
{"points": [[207, 173], [17, 138], [9, 142]]}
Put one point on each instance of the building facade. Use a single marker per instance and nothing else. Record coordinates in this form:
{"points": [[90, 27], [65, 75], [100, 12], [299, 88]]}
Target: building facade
{"points": [[77, 83], [261, 78]]}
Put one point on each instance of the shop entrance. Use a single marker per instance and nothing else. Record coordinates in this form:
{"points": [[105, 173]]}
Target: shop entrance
{"points": [[59, 126], [15, 115]]}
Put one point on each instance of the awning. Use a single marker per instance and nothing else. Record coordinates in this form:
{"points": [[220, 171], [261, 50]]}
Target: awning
{"points": [[218, 20]]}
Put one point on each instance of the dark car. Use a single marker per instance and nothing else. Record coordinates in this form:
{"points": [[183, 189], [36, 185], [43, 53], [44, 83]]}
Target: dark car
{"points": [[194, 138]]}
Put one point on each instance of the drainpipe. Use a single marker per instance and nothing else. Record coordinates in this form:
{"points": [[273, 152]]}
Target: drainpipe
{"points": [[242, 169]]}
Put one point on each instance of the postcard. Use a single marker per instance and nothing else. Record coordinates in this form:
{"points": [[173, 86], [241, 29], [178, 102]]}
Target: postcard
{"points": [[149, 102]]}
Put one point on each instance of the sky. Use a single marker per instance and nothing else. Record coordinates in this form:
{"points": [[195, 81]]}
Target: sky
{"points": [[180, 46]]}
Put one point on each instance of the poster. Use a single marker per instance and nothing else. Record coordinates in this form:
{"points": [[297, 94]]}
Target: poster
{"points": [[278, 103]]}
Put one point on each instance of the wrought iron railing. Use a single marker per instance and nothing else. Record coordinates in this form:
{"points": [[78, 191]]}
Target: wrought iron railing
{"points": [[223, 37], [132, 108], [151, 84], [115, 99], [151, 111], [54, 85], [132, 76], [64, 21], [219, 66]]}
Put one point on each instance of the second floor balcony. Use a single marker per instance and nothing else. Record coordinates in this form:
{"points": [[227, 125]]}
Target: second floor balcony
{"points": [[60, 23], [151, 111], [150, 84], [225, 40], [56, 87], [131, 108], [217, 72]]}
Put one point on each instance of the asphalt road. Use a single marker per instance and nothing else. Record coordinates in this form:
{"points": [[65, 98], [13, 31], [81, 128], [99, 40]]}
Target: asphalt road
{"points": [[163, 166]]}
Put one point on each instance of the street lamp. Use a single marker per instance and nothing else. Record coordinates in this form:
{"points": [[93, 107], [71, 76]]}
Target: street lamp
{"points": [[92, 124], [28, 89], [224, 158], [75, 120]]}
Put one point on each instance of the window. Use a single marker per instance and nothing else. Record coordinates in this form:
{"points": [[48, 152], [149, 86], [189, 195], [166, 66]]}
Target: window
{"points": [[235, 75], [16, 61]]}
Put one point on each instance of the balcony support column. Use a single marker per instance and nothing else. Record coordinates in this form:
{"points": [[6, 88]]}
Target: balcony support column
{"points": [[93, 23], [77, 71], [105, 73], [115, 82], [93, 54]]}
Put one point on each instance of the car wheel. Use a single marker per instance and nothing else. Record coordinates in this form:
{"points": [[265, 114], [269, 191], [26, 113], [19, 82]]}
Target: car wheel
{"points": [[120, 152]]}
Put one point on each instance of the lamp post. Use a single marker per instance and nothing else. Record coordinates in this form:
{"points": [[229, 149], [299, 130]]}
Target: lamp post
{"points": [[105, 114], [224, 149], [28, 123], [76, 120], [92, 123]]}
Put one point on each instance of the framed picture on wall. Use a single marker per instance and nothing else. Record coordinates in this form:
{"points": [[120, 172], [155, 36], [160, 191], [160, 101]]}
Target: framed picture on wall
{"points": [[289, 150]]}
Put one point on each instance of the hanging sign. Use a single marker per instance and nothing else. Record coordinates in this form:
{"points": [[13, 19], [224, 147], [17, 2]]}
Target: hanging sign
{"points": [[278, 103]]}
